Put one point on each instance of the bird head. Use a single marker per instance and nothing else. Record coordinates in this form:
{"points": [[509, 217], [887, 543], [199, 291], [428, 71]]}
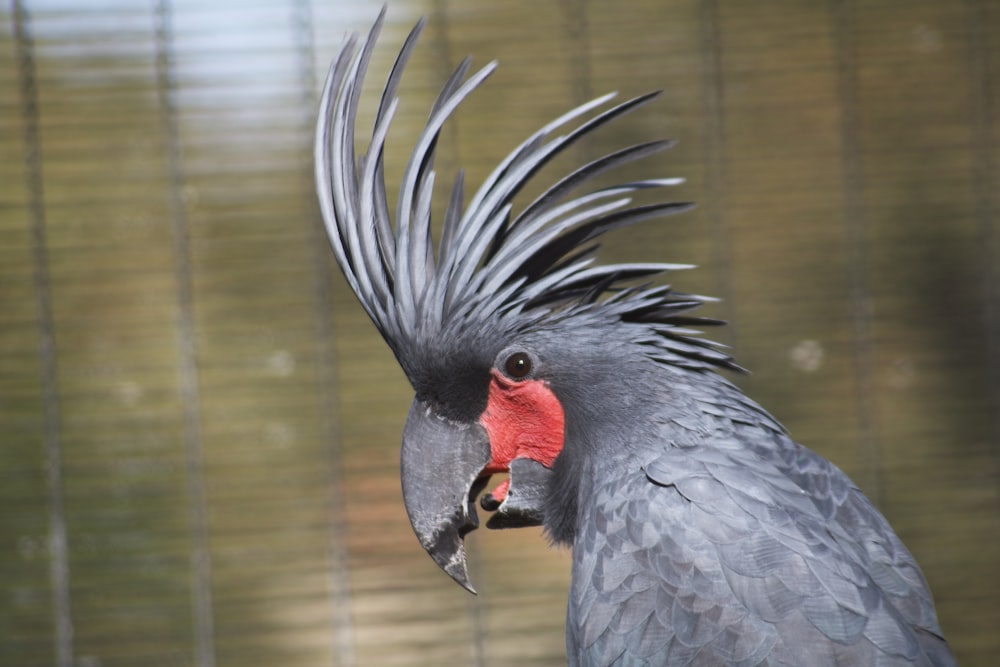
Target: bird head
{"points": [[504, 325]]}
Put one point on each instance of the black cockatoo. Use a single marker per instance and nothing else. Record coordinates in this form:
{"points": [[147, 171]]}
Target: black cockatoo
{"points": [[701, 533]]}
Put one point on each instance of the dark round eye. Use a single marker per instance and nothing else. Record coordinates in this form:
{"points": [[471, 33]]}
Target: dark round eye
{"points": [[518, 365]]}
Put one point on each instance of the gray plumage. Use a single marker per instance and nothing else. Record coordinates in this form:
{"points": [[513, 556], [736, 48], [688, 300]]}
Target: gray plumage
{"points": [[737, 546], [701, 533]]}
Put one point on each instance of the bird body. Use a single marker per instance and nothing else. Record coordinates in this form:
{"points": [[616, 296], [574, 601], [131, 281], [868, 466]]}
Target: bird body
{"points": [[701, 533], [731, 544]]}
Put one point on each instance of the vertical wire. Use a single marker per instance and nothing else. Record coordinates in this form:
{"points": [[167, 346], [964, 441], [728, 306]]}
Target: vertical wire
{"points": [[58, 547], [984, 176], [716, 178], [326, 360], [476, 607], [578, 28], [201, 565], [859, 290]]}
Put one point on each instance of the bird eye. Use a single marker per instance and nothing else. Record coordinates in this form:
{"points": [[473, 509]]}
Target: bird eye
{"points": [[518, 365]]}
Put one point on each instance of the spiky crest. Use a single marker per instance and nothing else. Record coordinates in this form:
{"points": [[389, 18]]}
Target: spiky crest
{"points": [[491, 269]]}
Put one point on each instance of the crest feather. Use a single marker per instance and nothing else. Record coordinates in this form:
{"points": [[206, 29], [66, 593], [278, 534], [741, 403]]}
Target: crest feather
{"points": [[490, 267]]}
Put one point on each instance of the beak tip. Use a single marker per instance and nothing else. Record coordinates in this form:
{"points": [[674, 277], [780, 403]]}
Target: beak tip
{"points": [[454, 564], [464, 583]]}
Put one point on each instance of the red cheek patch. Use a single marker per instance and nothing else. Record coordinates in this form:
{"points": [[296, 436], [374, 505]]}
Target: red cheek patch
{"points": [[523, 419]]}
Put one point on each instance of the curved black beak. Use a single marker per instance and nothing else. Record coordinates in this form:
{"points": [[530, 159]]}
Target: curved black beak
{"points": [[440, 467], [526, 497]]}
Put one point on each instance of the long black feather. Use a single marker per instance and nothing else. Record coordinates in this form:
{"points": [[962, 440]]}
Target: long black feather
{"points": [[492, 264]]}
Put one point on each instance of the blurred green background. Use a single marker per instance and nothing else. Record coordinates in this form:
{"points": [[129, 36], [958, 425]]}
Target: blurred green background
{"points": [[199, 429]]}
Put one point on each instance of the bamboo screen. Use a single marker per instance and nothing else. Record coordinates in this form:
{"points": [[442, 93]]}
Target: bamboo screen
{"points": [[199, 429]]}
